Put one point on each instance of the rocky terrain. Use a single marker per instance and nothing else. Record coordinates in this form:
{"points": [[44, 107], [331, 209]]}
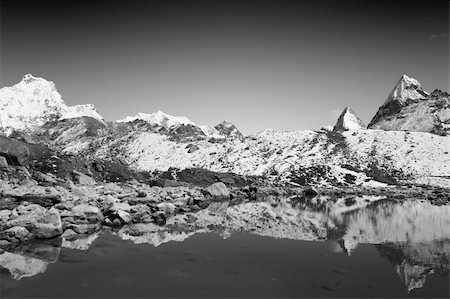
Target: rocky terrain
{"points": [[66, 173]]}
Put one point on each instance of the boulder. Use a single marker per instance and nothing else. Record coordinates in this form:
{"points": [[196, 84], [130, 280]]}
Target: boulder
{"points": [[3, 162], [310, 192], [16, 233], [83, 179], [112, 188], [166, 207], [192, 148], [41, 225], [218, 191], [16, 152], [120, 206], [124, 216], [91, 213]]}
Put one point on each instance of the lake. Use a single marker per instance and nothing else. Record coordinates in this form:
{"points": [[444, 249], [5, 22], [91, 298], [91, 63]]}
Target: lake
{"points": [[279, 249]]}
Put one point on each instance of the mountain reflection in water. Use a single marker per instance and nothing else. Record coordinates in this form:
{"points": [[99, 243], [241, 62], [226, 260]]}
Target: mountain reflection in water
{"points": [[412, 235]]}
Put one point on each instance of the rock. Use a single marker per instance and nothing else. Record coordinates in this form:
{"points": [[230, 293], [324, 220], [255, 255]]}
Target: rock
{"points": [[83, 179], [40, 224], [250, 192], [31, 192], [166, 207], [13, 150], [112, 188], [3, 162], [68, 233], [84, 228], [310, 192], [120, 206], [117, 218], [4, 215], [219, 191], [229, 130], [124, 216], [141, 193], [159, 218], [92, 213], [16, 233], [192, 148]]}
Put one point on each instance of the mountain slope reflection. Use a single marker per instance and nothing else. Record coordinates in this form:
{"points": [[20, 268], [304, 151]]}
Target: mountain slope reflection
{"points": [[412, 235]]}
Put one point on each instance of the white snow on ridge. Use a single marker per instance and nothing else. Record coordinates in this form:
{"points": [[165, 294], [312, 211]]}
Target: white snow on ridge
{"points": [[168, 121], [406, 88], [415, 154], [159, 118], [33, 102]]}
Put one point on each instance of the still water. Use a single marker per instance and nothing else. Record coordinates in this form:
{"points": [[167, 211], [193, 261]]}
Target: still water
{"points": [[384, 249]]}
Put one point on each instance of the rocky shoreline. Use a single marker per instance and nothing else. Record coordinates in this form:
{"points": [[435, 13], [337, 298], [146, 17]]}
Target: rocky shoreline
{"points": [[55, 208]]}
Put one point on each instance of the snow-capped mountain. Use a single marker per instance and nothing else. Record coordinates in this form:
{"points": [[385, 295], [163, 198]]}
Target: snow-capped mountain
{"points": [[410, 108], [34, 101], [228, 129], [160, 119], [180, 125], [348, 120], [407, 88]]}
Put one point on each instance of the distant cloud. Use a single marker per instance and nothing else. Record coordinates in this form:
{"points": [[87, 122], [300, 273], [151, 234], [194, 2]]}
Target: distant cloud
{"points": [[434, 36]]}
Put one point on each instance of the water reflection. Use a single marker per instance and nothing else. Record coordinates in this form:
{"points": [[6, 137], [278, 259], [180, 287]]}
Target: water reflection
{"points": [[413, 235]]}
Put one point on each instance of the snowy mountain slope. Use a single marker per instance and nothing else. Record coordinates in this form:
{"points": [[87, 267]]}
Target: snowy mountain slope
{"points": [[282, 154], [33, 102], [410, 108]]}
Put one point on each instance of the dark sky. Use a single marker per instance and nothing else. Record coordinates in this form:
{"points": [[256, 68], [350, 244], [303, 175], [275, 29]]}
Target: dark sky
{"points": [[286, 65]]}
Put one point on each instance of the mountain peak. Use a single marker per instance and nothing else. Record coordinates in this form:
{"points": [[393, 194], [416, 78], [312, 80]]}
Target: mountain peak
{"points": [[34, 101], [406, 88], [348, 120], [29, 78], [159, 118]]}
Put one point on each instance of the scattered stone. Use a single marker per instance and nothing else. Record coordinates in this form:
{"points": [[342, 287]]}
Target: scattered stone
{"points": [[16, 233], [3, 163], [40, 224], [124, 216], [4, 215], [218, 191], [192, 148], [310, 192], [120, 206], [112, 188], [68, 233], [83, 179], [166, 207], [141, 194], [159, 218], [91, 213]]}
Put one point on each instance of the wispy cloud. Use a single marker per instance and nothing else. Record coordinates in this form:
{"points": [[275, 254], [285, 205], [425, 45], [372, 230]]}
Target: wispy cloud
{"points": [[436, 36]]}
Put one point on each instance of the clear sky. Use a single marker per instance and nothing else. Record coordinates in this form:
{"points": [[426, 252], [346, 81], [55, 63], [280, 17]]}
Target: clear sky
{"points": [[286, 65]]}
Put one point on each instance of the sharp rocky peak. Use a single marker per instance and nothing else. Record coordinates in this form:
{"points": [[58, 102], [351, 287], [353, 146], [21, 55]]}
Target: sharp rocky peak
{"points": [[348, 120], [407, 88]]}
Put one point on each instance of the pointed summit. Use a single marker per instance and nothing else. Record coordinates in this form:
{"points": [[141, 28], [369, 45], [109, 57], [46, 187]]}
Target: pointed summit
{"points": [[159, 118], [348, 121], [406, 88], [228, 129], [34, 101]]}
